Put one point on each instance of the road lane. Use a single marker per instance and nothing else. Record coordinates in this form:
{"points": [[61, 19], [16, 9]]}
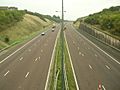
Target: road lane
{"points": [[24, 72], [86, 56]]}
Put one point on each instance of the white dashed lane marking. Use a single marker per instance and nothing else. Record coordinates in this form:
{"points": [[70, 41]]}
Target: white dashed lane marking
{"points": [[83, 55], [90, 67], [36, 59], [98, 48], [73, 42], [20, 48], [80, 53], [39, 57], [88, 48], [19, 87], [41, 50], [107, 67], [21, 58], [6, 73], [27, 74], [95, 55], [29, 50]]}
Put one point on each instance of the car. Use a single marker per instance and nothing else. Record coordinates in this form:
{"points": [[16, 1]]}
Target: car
{"points": [[54, 26], [43, 33], [65, 28], [53, 29]]}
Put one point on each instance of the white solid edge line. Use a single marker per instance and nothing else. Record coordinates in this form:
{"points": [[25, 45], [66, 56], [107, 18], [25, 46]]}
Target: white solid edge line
{"points": [[19, 48], [6, 73], [98, 48], [103, 87], [71, 63], [52, 57]]}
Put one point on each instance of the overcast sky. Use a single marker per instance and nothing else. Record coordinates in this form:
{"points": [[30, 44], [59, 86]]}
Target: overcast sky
{"points": [[74, 8]]}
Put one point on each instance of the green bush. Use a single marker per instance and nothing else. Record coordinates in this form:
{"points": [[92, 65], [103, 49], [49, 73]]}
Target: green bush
{"points": [[108, 19], [7, 39], [9, 18], [54, 18]]}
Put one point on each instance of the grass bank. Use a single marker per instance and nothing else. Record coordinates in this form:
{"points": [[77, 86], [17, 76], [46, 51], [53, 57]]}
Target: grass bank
{"points": [[22, 30]]}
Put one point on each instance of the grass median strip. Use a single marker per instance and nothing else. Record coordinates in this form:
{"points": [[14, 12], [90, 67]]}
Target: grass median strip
{"points": [[56, 72]]}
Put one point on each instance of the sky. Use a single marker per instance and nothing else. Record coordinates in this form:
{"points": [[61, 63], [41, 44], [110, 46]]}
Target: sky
{"points": [[74, 8]]}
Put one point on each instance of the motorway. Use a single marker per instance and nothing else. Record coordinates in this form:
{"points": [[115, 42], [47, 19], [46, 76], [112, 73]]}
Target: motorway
{"points": [[93, 67], [26, 67]]}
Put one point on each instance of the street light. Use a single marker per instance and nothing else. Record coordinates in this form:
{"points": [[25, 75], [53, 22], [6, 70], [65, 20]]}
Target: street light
{"points": [[62, 44]]}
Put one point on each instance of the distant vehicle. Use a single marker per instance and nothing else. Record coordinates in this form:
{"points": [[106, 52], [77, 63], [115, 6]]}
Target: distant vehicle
{"points": [[65, 28], [43, 33], [53, 29], [53, 26]]}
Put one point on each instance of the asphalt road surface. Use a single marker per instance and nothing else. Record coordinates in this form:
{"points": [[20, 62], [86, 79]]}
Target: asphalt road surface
{"points": [[94, 68], [26, 67]]}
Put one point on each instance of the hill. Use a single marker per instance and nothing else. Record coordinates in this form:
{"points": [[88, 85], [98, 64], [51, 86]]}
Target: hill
{"points": [[9, 18], [17, 25], [107, 20]]}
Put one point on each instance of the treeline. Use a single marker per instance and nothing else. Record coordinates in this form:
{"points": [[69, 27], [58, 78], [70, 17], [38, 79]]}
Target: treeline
{"points": [[54, 18], [36, 14], [9, 18], [108, 19]]}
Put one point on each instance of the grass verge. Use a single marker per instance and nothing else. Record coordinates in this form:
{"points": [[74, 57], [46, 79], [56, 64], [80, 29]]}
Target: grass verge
{"points": [[23, 39], [29, 27]]}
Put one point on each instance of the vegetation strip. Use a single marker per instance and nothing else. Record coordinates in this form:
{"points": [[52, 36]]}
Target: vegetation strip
{"points": [[108, 21], [18, 25], [56, 72]]}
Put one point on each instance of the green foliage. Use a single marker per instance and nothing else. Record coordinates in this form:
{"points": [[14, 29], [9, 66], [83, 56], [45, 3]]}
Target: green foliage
{"points": [[9, 18], [7, 39], [37, 14], [92, 20], [54, 18], [108, 19]]}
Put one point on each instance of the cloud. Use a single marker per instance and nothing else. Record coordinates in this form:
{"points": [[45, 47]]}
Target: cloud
{"points": [[74, 8]]}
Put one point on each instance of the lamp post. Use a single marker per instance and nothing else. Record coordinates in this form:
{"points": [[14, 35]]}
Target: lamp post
{"points": [[62, 49]]}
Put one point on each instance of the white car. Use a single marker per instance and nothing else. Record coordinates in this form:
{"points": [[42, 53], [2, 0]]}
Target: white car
{"points": [[53, 29], [43, 33]]}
